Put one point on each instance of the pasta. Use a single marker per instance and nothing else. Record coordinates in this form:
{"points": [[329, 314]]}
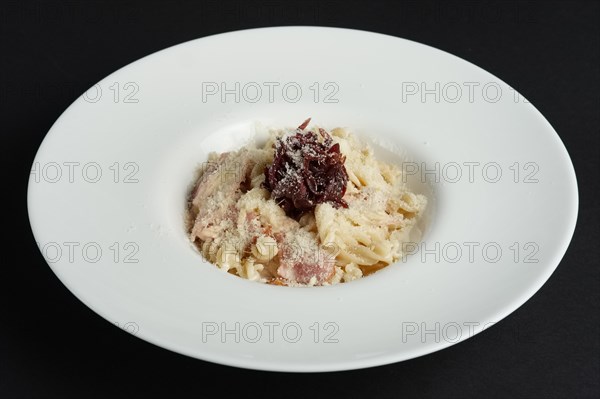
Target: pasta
{"points": [[240, 225]]}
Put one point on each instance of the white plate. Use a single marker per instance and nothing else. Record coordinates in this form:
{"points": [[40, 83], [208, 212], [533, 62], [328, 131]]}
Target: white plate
{"points": [[106, 196]]}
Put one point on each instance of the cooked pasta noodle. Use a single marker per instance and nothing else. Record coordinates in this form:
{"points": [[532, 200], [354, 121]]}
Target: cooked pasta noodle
{"points": [[240, 228]]}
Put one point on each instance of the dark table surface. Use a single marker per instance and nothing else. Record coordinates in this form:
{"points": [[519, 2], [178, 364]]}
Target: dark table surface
{"points": [[53, 345]]}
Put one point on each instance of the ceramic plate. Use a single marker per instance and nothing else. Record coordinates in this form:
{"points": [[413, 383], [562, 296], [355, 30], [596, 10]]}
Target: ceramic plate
{"points": [[108, 187]]}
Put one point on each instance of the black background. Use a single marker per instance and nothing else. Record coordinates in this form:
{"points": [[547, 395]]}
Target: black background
{"points": [[52, 345]]}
